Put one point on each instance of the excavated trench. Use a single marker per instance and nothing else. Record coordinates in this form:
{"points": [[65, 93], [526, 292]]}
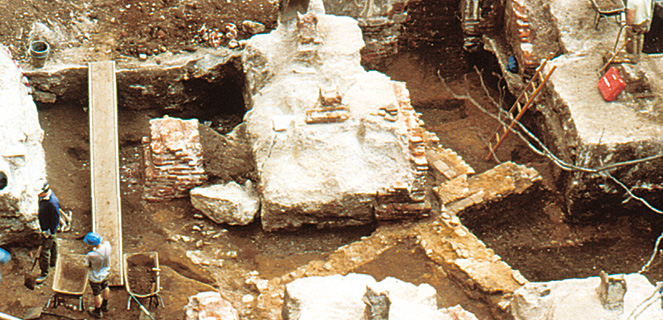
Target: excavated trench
{"points": [[529, 231]]}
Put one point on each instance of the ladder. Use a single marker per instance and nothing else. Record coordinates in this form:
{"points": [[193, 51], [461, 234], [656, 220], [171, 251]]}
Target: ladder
{"points": [[523, 102]]}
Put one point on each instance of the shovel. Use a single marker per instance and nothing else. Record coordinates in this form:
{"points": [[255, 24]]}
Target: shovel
{"points": [[29, 279]]}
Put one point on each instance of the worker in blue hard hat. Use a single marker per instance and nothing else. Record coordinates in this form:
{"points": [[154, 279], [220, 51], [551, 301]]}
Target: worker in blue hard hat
{"points": [[49, 220], [98, 261], [4, 257]]}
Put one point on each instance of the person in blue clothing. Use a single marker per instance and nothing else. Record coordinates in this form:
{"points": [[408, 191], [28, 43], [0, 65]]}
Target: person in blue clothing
{"points": [[98, 261], [4, 257], [49, 219]]}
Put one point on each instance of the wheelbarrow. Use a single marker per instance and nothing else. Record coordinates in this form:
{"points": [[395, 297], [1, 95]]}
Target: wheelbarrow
{"points": [[70, 281], [141, 278], [605, 8]]}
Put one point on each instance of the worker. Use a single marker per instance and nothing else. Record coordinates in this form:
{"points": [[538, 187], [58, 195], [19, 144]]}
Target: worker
{"points": [[49, 220], [638, 19], [98, 261], [4, 257]]}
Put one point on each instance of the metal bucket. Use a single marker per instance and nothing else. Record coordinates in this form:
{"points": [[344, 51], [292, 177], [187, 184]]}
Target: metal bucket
{"points": [[39, 52]]}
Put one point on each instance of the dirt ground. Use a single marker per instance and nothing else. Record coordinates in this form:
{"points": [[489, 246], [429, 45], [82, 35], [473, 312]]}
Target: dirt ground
{"points": [[531, 235], [131, 27]]}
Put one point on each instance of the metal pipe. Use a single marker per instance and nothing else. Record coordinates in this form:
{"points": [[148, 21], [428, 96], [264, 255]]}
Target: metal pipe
{"points": [[5, 316]]}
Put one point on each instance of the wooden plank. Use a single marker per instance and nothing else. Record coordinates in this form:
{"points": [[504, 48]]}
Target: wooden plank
{"points": [[104, 155]]}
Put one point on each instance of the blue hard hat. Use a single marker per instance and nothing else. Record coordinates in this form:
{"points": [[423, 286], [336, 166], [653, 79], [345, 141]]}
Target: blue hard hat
{"points": [[4, 256], [92, 238]]}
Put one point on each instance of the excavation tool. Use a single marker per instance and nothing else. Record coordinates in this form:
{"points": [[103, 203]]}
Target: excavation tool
{"points": [[142, 307], [29, 279]]}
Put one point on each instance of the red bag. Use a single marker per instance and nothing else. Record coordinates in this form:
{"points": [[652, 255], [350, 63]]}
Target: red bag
{"points": [[611, 84]]}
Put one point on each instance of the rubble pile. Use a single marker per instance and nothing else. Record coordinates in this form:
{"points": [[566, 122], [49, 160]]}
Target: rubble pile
{"points": [[22, 160], [172, 157], [209, 305], [332, 142]]}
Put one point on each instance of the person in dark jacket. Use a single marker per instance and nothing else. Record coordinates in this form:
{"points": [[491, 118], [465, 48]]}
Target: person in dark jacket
{"points": [[49, 219]]}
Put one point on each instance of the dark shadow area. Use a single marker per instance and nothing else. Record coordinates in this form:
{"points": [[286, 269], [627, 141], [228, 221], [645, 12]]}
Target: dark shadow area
{"points": [[654, 38]]}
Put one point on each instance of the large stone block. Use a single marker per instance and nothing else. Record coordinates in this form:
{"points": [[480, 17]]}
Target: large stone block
{"points": [[227, 203], [327, 136]]}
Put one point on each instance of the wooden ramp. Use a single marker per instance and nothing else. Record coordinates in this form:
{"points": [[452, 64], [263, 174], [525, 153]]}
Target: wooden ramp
{"points": [[104, 149]]}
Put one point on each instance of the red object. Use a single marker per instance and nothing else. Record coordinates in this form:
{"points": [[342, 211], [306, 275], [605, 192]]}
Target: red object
{"points": [[611, 84]]}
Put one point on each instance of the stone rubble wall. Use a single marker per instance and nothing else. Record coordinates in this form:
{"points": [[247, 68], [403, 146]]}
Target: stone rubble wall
{"points": [[165, 78], [172, 157], [22, 158]]}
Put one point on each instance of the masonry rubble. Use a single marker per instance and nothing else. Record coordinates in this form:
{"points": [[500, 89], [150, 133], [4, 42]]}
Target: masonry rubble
{"points": [[172, 159], [361, 137], [22, 160], [229, 203], [344, 297], [581, 299], [209, 305]]}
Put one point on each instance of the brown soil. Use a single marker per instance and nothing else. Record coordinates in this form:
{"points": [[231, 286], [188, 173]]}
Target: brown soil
{"points": [[142, 279], [132, 27], [73, 277]]}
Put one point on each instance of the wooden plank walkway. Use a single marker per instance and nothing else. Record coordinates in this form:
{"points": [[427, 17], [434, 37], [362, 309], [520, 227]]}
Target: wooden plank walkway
{"points": [[104, 155]]}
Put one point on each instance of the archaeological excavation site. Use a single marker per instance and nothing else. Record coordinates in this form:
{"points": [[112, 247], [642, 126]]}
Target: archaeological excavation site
{"points": [[331, 160]]}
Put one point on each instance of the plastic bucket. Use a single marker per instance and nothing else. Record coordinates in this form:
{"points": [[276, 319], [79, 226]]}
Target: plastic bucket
{"points": [[39, 52]]}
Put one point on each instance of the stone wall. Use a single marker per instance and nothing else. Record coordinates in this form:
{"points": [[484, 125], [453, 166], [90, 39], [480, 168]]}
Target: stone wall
{"points": [[22, 160]]}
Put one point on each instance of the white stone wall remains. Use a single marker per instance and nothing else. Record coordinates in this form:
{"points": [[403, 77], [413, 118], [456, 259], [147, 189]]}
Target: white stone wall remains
{"points": [[329, 138], [22, 158], [340, 297], [579, 299]]}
